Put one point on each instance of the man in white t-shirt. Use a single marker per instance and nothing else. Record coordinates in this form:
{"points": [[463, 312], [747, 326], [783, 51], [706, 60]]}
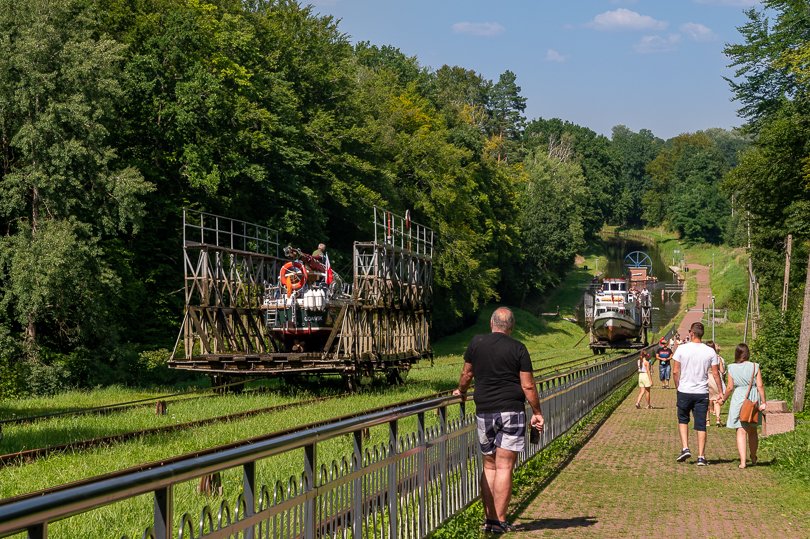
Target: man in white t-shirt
{"points": [[693, 363]]}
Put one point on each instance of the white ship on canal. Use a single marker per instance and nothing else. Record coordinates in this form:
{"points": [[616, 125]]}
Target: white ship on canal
{"points": [[616, 312]]}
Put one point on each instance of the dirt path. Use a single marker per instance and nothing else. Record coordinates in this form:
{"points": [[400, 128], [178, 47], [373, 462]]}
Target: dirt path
{"points": [[704, 298], [625, 482]]}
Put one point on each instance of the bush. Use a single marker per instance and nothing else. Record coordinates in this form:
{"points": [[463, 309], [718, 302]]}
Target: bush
{"points": [[776, 346], [43, 379], [12, 375]]}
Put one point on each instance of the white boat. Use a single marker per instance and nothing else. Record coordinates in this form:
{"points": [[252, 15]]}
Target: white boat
{"points": [[616, 312]]}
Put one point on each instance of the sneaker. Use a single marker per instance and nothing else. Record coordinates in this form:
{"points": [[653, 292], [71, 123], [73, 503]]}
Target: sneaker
{"points": [[494, 526], [702, 461], [685, 454]]}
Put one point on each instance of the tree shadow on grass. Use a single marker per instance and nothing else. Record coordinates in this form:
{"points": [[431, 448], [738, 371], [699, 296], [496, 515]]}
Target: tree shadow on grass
{"points": [[558, 523]]}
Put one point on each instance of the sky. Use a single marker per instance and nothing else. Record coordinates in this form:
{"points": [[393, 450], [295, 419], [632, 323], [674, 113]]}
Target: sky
{"points": [[645, 64]]}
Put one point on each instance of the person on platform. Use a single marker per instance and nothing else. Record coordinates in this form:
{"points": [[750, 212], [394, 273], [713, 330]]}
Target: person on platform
{"points": [[664, 356], [743, 374], [320, 252], [644, 378], [504, 381], [693, 363]]}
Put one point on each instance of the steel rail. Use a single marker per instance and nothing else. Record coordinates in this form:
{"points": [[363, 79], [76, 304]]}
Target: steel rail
{"points": [[29, 455], [121, 406]]}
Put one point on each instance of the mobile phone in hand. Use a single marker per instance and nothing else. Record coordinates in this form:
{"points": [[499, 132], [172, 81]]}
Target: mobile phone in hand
{"points": [[534, 435]]}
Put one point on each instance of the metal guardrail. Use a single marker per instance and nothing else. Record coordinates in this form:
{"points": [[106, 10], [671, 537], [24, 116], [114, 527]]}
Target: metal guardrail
{"points": [[403, 488]]}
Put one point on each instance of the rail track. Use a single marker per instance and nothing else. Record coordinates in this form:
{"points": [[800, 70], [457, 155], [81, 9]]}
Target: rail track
{"points": [[205, 393], [30, 455], [183, 396], [163, 462]]}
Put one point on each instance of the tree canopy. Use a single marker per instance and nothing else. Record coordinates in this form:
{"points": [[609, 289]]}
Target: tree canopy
{"points": [[116, 115]]}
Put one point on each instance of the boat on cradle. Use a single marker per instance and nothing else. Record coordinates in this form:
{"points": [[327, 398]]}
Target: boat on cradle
{"points": [[617, 312]]}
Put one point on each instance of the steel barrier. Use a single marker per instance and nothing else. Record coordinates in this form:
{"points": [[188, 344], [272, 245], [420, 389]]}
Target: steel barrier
{"points": [[404, 487]]}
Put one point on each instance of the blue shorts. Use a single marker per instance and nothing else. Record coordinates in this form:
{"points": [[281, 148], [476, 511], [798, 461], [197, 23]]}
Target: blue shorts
{"points": [[698, 404], [506, 430], [664, 371]]}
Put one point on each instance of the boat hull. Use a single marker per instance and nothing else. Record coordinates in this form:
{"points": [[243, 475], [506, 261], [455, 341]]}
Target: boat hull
{"points": [[615, 327]]}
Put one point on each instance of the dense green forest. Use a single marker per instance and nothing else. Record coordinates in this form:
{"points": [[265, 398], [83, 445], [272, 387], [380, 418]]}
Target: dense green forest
{"points": [[770, 187], [117, 114]]}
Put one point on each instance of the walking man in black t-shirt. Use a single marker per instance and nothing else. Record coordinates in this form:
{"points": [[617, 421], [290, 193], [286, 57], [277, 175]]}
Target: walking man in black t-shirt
{"points": [[502, 370]]}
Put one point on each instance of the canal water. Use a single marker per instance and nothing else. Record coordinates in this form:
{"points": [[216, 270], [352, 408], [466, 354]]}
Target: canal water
{"points": [[616, 249]]}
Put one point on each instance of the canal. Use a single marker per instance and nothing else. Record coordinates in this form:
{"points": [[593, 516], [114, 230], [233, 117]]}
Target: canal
{"points": [[617, 248]]}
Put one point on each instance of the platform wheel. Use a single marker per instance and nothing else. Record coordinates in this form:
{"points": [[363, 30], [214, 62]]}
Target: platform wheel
{"points": [[395, 376], [351, 381]]}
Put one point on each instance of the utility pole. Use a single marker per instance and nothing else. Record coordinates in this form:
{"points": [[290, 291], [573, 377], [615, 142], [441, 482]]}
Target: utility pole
{"points": [[748, 308], [804, 348], [786, 286], [712, 316]]}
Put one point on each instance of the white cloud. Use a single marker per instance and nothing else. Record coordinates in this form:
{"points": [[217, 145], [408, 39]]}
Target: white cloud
{"points": [[654, 44], [732, 3], [555, 56], [625, 19], [698, 32], [485, 29]]}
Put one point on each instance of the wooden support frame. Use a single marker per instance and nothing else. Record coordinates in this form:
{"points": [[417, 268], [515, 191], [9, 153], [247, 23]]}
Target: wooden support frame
{"points": [[382, 323]]}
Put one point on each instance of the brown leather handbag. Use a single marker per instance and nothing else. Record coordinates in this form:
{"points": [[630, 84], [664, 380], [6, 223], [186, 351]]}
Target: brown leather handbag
{"points": [[749, 411]]}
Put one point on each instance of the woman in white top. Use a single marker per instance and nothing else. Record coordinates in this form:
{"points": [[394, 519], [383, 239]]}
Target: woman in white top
{"points": [[644, 378]]}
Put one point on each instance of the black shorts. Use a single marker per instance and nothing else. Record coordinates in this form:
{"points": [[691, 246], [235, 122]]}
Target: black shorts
{"points": [[698, 404]]}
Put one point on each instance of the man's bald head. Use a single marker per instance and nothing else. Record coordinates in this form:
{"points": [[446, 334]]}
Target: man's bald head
{"points": [[502, 320]]}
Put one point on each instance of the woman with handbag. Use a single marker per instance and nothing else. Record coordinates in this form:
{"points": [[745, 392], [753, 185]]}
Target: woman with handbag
{"points": [[747, 401]]}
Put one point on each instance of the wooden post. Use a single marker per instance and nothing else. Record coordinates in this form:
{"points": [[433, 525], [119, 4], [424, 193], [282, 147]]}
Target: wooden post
{"points": [[804, 348], [748, 305], [786, 286]]}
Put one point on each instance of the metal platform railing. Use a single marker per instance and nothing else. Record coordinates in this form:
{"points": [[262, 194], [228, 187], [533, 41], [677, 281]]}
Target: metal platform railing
{"points": [[202, 229], [404, 487]]}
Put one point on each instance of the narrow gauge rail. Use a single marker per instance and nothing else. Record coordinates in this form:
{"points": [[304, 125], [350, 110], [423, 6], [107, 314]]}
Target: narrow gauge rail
{"points": [[203, 452], [123, 406], [29, 455], [550, 368], [216, 391]]}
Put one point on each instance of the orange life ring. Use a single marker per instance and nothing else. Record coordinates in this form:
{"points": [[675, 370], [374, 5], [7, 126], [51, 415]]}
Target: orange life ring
{"points": [[287, 274]]}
